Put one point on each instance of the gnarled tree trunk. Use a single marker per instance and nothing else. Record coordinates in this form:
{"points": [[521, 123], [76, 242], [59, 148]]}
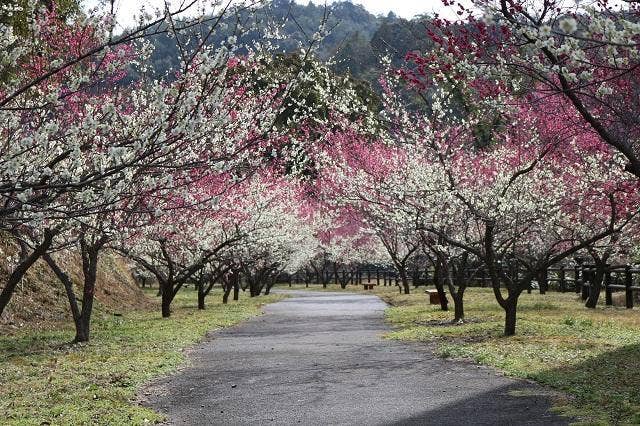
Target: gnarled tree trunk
{"points": [[90, 253], [437, 282], [596, 286], [26, 261], [510, 310]]}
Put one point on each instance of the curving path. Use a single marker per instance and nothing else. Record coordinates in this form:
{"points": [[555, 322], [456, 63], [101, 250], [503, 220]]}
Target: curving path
{"points": [[319, 359]]}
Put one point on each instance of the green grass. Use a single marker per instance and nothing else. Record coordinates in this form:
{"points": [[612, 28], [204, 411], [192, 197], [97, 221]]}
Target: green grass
{"points": [[44, 380], [593, 356]]}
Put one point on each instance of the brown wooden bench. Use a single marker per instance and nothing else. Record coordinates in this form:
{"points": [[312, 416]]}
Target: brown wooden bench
{"points": [[434, 297], [368, 286]]}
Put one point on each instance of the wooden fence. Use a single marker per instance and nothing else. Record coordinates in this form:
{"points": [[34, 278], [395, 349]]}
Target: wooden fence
{"points": [[562, 278]]}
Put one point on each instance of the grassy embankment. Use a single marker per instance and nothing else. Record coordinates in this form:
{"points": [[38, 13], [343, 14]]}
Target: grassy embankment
{"points": [[44, 380], [593, 356]]}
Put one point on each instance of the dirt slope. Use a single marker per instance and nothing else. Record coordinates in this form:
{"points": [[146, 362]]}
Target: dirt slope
{"points": [[40, 298]]}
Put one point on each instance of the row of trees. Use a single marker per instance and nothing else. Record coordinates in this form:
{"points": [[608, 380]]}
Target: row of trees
{"points": [[186, 176], [524, 153], [247, 162]]}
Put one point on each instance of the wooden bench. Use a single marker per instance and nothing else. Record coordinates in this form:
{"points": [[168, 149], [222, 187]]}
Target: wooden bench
{"points": [[368, 286], [434, 297]]}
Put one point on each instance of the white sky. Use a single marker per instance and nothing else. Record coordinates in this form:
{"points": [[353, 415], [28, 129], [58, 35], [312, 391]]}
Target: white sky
{"points": [[404, 8], [128, 9]]}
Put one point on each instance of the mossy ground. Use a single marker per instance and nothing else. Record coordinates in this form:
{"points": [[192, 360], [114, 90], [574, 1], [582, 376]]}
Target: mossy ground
{"points": [[590, 355], [45, 380]]}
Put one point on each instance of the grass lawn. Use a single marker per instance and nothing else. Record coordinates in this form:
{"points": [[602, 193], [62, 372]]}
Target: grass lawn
{"points": [[44, 380]]}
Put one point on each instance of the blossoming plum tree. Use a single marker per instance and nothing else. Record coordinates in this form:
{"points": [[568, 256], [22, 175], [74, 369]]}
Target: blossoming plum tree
{"points": [[84, 157], [523, 199], [581, 56]]}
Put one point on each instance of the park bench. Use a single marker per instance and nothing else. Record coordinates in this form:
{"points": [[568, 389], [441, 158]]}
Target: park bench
{"points": [[368, 286], [434, 297]]}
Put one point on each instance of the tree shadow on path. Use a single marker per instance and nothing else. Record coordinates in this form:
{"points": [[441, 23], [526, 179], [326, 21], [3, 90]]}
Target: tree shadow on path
{"points": [[515, 404]]}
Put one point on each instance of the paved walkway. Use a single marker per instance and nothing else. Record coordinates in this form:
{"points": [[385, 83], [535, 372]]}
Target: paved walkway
{"points": [[318, 359]]}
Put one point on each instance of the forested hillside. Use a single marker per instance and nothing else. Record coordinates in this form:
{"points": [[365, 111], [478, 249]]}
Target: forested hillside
{"points": [[355, 43]]}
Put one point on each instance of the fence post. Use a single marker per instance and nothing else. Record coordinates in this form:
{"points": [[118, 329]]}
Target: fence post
{"points": [[577, 282], [628, 283], [608, 299], [544, 281], [562, 280], [587, 283]]}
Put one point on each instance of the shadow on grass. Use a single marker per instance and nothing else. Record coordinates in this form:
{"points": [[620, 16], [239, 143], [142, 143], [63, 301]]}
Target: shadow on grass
{"points": [[608, 383], [540, 306], [447, 323], [16, 346]]}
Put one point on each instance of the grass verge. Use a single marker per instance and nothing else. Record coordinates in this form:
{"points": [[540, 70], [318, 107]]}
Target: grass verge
{"points": [[44, 380]]}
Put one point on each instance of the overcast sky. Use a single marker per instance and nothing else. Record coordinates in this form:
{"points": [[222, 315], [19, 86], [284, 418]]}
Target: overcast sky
{"points": [[127, 9], [404, 8]]}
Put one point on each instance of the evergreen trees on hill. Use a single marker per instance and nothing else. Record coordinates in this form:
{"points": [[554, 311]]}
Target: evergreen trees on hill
{"points": [[355, 43]]}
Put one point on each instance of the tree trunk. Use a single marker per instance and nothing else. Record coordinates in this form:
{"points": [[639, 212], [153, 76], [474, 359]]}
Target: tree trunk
{"points": [[23, 267], [227, 290], [595, 288], [510, 310], [68, 286], [82, 329], [587, 283], [201, 297], [457, 294], [437, 282], [405, 280], [458, 305], [167, 290], [255, 289], [543, 281], [89, 269], [344, 280], [236, 288], [270, 283]]}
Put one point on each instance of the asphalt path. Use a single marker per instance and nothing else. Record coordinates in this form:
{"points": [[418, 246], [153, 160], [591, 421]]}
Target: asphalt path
{"points": [[319, 359]]}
